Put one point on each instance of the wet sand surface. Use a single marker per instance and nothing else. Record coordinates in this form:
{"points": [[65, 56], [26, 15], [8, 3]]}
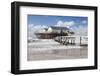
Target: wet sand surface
{"points": [[52, 50]]}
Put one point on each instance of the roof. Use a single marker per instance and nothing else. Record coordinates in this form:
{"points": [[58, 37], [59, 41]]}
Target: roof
{"points": [[59, 28]]}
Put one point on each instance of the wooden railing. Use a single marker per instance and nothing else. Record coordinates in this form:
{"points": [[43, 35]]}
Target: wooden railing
{"points": [[72, 40]]}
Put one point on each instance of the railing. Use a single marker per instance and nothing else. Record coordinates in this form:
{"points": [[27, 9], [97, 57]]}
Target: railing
{"points": [[72, 40]]}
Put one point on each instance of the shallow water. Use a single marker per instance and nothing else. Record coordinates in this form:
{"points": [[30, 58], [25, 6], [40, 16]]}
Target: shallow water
{"points": [[51, 50]]}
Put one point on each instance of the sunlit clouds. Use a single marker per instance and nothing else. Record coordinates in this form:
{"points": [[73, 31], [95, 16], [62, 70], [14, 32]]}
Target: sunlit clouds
{"points": [[79, 25]]}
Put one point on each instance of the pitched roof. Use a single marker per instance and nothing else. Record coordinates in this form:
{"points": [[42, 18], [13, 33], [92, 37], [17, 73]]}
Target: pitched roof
{"points": [[59, 28]]}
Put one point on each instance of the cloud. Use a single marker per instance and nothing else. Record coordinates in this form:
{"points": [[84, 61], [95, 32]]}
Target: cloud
{"points": [[70, 23], [84, 22], [65, 23], [60, 23], [80, 30], [35, 28], [32, 29]]}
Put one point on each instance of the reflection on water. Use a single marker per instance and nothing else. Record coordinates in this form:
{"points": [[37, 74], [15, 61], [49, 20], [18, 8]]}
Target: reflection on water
{"points": [[51, 50], [73, 52]]}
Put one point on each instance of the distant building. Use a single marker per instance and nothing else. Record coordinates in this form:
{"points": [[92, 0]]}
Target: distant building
{"points": [[53, 31]]}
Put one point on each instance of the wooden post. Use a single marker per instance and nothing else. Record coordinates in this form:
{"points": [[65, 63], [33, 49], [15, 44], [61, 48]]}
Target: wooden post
{"points": [[71, 40], [80, 40]]}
